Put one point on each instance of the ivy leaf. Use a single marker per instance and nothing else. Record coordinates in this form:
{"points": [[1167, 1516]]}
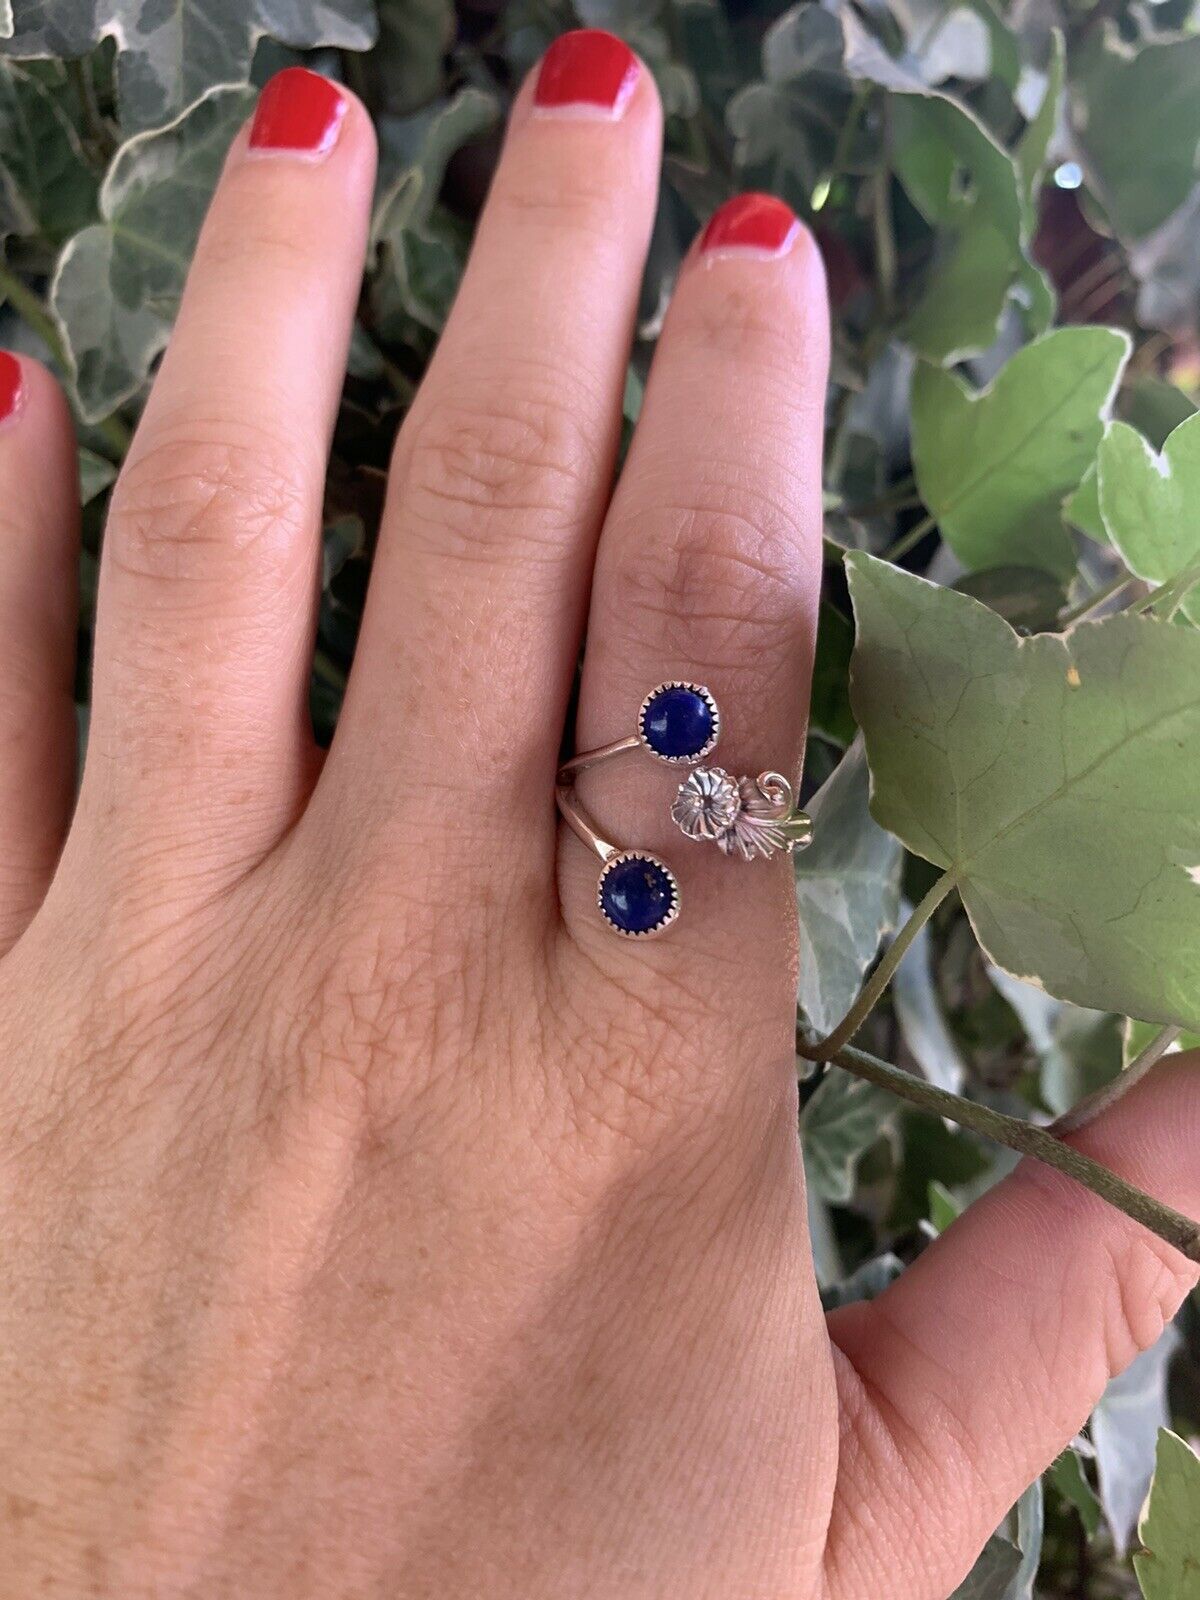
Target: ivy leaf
{"points": [[171, 53], [1168, 1568], [96, 473], [962, 180], [1017, 763], [419, 252], [864, 1283], [994, 466], [786, 126], [992, 1576], [1124, 1428], [1135, 115], [1166, 264], [920, 1017], [46, 186], [847, 892], [1070, 1480], [937, 140], [1151, 503], [118, 282], [406, 63], [842, 1118]]}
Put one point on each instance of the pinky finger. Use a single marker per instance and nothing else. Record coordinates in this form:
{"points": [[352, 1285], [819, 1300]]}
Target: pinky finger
{"points": [[39, 523]]}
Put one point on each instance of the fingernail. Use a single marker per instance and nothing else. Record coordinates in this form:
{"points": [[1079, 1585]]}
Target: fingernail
{"points": [[751, 225], [587, 73], [299, 112], [11, 385]]}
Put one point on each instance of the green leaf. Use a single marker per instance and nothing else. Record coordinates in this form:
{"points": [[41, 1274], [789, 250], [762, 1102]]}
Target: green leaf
{"points": [[937, 141], [1151, 503], [1135, 1036], [1154, 407], [1034, 144], [992, 1576], [840, 1120], [847, 892], [1135, 115], [95, 475], [1124, 1428], [46, 186], [1070, 1480], [994, 466], [1168, 1568], [118, 282], [407, 61], [943, 1207], [829, 710], [1028, 598], [171, 53], [1082, 507], [1078, 1050], [1016, 764]]}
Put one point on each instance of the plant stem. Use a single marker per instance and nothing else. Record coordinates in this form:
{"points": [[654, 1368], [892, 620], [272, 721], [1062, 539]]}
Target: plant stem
{"points": [[881, 214], [901, 496], [908, 541], [827, 1049], [1168, 596], [34, 314], [1026, 1139], [1094, 601], [1090, 1107], [85, 93]]}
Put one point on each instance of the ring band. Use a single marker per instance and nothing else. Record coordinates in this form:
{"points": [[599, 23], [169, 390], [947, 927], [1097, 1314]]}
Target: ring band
{"points": [[679, 724]]}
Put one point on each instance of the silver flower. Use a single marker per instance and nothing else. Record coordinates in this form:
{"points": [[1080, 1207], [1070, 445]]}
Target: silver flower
{"points": [[757, 828], [707, 804]]}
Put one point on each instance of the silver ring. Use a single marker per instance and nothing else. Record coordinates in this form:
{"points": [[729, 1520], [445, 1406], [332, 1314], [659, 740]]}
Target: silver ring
{"points": [[679, 724]]}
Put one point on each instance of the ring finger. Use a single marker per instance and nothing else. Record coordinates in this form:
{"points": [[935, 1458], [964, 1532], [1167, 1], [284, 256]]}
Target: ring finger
{"points": [[709, 565]]}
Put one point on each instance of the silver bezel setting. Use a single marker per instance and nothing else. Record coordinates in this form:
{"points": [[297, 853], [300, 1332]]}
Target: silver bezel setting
{"points": [[672, 911], [696, 688]]}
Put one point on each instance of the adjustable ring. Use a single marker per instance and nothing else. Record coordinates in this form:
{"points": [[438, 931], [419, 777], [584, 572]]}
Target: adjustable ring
{"points": [[679, 724]]}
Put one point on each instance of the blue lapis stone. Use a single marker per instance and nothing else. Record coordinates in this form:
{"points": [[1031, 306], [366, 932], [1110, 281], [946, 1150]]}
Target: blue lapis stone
{"points": [[637, 894], [678, 723]]}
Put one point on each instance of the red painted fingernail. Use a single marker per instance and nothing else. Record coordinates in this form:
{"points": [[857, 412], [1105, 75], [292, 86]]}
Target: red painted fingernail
{"points": [[751, 224], [587, 73], [298, 111], [11, 385]]}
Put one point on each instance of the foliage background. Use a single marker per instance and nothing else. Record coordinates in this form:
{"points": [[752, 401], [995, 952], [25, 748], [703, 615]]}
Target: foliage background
{"points": [[977, 171]]}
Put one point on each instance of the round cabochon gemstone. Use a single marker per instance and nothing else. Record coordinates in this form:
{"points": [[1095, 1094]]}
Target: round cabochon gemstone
{"points": [[678, 723], [637, 894]]}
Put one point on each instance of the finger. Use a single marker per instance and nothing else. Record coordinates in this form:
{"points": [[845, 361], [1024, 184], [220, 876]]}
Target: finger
{"points": [[708, 569], [968, 1376], [208, 584], [503, 466], [39, 558]]}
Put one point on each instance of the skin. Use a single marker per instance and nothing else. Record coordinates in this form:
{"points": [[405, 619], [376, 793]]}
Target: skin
{"points": [[376, 1224]]}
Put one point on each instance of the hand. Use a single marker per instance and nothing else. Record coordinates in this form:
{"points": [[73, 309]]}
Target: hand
{"points": [[376, 1223]]}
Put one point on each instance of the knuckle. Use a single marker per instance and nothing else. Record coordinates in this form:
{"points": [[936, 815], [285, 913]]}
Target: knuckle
{"points": [[190, 508], [562, 197], [718, 579], [1146, 1282], [471, 469], [262, 239]]}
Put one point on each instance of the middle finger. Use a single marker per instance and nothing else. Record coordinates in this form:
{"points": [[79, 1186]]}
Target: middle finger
{"points": [[504, 464]]}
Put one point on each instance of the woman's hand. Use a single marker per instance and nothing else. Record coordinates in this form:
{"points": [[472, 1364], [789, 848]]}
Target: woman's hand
{"points": [[375, 1222]]}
